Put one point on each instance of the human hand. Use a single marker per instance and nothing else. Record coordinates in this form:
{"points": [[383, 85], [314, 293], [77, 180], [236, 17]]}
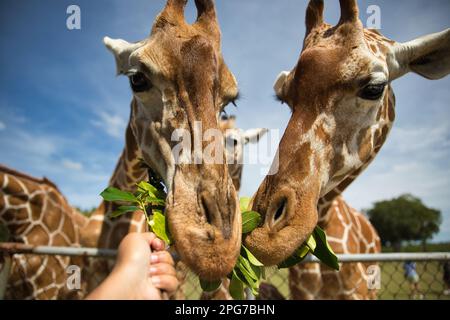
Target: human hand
{"points": [[139, 273]]}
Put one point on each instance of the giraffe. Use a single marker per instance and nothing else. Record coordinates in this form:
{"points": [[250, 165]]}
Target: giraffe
{"points": [[179, 79], [23, 202], [235, 139], [167, 81], [342, 107]]}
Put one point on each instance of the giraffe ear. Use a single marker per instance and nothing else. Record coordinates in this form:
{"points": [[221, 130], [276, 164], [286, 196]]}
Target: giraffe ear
{"points": [[253, 135], [280, 85], [122, 51], [428, 56]]}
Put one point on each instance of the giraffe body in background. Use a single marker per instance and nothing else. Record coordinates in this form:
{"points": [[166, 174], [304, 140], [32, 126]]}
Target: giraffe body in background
{"points": [[35, 212], [235, 139], [348, 232]]}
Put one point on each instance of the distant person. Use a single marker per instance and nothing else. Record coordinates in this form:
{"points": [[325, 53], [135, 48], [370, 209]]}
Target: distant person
{"points": [[446, 278], [413, 278]]}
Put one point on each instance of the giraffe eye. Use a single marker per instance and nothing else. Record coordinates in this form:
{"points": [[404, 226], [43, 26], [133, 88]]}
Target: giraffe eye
{"points": [[139, 82], [372, 91]]}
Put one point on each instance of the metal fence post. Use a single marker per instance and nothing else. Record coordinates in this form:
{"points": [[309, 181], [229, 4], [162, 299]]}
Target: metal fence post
{"points": [[4, 274]]}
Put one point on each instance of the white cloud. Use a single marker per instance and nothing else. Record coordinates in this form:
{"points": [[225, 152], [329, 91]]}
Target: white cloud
{"points": [[34, 146], [112, 124], [2, 126], [72, 165], [419, 140]]}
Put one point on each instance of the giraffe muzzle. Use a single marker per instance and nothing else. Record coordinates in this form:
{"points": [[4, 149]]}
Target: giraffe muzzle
{"points": [[205, 223], [289, 218]]}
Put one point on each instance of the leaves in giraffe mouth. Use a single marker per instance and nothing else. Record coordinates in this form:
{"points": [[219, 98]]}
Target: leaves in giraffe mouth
{"points": [[317, 245], [248, 271]]}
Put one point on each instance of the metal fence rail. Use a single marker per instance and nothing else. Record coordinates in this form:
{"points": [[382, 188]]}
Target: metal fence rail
{"points": [[19, 248], [388, 257], [13, 247], [432, 284]]}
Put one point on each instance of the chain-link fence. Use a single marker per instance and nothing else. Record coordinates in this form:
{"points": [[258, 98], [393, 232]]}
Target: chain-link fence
{"points": [[395, 276]]}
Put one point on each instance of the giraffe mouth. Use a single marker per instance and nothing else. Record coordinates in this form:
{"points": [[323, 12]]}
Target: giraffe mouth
{"points": [[289, 218]]}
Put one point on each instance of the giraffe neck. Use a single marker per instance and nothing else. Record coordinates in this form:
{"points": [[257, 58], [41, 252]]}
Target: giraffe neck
{"points": [[129, 168], [385, 120], [103, 231]]}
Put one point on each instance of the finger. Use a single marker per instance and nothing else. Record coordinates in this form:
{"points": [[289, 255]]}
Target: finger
{"points": [[162, 269], [167, 283], [158, 244], [149, 237], [161, 257]]}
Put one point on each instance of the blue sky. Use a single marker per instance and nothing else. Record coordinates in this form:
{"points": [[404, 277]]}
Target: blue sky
{"points": [[63, 112]]}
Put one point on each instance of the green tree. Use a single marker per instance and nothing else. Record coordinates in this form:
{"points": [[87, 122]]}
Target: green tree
{"points": [[405, 218]]}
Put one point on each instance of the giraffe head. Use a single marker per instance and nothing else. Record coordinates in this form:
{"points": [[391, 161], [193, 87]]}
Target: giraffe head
{"points": [[235, 140], [342, 110], [180, 81]]}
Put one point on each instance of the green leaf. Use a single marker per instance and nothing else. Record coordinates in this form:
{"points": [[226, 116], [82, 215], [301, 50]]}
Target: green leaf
{"points": [[158, 225], [244, 203], [122, 210], [303, 251], [114, 194], [248, 272], [250, 220], [210, 286], [246, 253], [154, 200], [236, 287], [243, 276], [151, 190], [311, 243], [323, 250], [295, 258]]}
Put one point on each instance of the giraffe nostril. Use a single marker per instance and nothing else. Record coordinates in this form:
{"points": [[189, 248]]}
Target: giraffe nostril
{"points": [[277, 213], [205, 211], [280, 212], [210, 210]]}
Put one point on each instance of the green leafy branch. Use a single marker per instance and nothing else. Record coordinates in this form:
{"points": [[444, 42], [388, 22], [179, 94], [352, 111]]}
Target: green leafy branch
{"points": [[248, 271], [148, 199]]}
